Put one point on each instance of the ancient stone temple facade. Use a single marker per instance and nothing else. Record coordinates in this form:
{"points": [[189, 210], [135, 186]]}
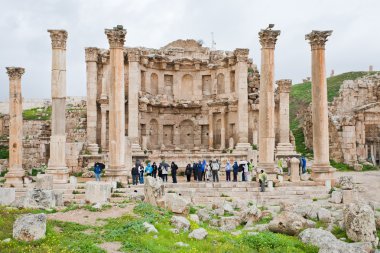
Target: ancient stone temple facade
{"points": [[180, 99], [354, 120]]}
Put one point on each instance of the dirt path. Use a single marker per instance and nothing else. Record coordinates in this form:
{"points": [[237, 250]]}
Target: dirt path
{"points": [[86, 217], [368, 182]]}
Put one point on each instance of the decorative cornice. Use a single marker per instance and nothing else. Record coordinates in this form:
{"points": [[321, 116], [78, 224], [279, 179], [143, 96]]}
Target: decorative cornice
{"points": [[91, 54], [116, 36], [15, 73], [133, 56], [241, 54], [58, 39], [317, 39], [268, 38], [284, 85]]}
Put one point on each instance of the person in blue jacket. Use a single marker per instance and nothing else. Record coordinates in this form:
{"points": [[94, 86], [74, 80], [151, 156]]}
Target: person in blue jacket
{"points": [[149, 170], [235, 170], [98, 167]]}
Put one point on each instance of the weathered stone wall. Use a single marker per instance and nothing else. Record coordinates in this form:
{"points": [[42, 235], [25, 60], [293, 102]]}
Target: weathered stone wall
{"points": [[354, 120]]}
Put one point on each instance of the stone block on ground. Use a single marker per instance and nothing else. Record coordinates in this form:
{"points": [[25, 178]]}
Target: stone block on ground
{"points": [[198, 234], [305, 177], [30, 227], [360, 224], [324, 215], [289, 223], [194, 217], [150, 228], [346, 182], [250, 214], [38, 198], [204, 215], [98, 192], [336, 197], [180, 223], [327, 243], [349, 196], [174, 203], [154, 189], [7, 196], [44, 182]]}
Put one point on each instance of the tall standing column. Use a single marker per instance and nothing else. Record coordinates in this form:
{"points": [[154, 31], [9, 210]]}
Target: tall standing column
{"points": [[116, 169], [16, 172], [268, 39], [210, 130], [284, 147], [103, 129], [92, 81], [223, 130], [241, 75], [57, 162], [133, 99], [321, 169]]}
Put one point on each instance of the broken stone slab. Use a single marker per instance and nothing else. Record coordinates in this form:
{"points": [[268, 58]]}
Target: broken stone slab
{"points": [[250, 214], [174, 203], [198, 234], [30, 227], [180, 223], [289, 223], [324, 215], [44, 182], [98, 192], [154, 189], [7, 196], [336, 197], [327, 243], [346, 182], [349, 196], [194, 217], [150, 228], [39, 198], [204, 215]]}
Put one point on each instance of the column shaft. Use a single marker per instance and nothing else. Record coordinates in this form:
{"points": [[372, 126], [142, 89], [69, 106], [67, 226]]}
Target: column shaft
{"points": [[210, 131], [133, 99], [103, 131], [223, 131]]}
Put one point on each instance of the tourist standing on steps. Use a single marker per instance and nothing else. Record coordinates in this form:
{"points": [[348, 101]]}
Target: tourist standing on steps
{"points": [[245, 172], [98, 170], [135, 175], [149, 170], [303, 165], [206, 175], [262, 180], [240, 172], [174, 169], [195, 171], [165, 172], [188, 171], [141, 172], [236, 171], [215, 170], [154, 172], [199, 168], [228, 171], [279, 165], [160, 171]]}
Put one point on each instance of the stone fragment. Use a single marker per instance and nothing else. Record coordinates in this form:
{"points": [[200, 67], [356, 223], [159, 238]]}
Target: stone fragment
{"points": [[359, 221], [174, 203], [250, 215], [346, 182], [38, 198], [327, 243], [150, 228], [7, 196], [174, 230], [228, 208], [153, 190], [236, 233], [219, 212], [182, 244], [349, 196], [194, 217], [198, 234], [336, 197], [180, 223], [289, 223], [98, 192], [30, 227], [305, 177], [229, 223], [88, 174], [204, 215], [324, 215], [44, 182]]}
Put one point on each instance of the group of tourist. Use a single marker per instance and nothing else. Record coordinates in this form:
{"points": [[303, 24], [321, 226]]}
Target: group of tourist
{"points": [[162, 170]]}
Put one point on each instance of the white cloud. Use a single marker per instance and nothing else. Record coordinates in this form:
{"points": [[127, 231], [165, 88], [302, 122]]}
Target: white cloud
{"points": [[154, 23]]}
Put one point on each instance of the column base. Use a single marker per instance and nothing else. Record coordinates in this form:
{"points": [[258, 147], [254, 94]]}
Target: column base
{"points": [[60, 174], [116, 173], [285, 150], [243, 146], [13, 179], [269, 168], [321, 173], [93, 148]]}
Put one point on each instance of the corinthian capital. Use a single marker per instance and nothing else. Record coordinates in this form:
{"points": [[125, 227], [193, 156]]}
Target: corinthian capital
{"points": [[268, 38], [91, 53], [317, 39], [58, 39], [116, 36], [15, 73], [284, 85], [133, 55], [241, 54]]}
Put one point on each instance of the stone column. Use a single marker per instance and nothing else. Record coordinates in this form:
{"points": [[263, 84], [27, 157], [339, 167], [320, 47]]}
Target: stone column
{"points": [[116, 170], [103, 129], [241, 75], [268, 40], [133, 99], [210, 130], [92, 81], [223, 130], [284, 147], [16, 172], [57, 162], [321, 169]]}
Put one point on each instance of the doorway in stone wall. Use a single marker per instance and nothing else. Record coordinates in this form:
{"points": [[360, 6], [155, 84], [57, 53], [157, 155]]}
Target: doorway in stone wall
{"points": [[186, 134]]}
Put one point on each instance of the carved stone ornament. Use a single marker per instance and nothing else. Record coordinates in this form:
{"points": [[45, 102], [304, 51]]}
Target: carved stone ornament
{"points": [[284, 85], [116, 36], [133, 56], [317, 39], [91, 53], [268, 38], [15, 73], [58, 39], [241, 54]]}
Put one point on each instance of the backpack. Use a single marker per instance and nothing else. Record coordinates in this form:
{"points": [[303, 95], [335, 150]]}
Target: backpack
{"points": [[215, 167]]}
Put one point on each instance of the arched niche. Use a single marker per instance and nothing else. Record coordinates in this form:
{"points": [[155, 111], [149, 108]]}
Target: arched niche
{"points": [[187, 87]]}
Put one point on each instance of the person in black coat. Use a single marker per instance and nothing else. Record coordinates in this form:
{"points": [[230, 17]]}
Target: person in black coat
{"points": [[135, 175], [174, 169], [195, 171], [188, 172], [154, 173]]}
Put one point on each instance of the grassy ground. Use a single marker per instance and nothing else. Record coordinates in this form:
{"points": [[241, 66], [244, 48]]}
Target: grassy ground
{"points": [[70, 237], [346, 167], [37, 113]]}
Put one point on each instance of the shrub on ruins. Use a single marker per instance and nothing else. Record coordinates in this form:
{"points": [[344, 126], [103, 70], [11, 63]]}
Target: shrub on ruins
{"points": [[4, 152]]}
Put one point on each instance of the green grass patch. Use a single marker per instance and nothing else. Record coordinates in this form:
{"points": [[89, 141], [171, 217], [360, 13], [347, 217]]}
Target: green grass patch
{"points": [[4, 152], [40, 113], [340, 233]]}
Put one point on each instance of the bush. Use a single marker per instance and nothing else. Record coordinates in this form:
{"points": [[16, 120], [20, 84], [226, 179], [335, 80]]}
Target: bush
{"points": [[4, 152]]}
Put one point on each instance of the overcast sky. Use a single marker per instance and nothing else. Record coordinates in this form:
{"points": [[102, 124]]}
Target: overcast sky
{"points": [[24, 41]]}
